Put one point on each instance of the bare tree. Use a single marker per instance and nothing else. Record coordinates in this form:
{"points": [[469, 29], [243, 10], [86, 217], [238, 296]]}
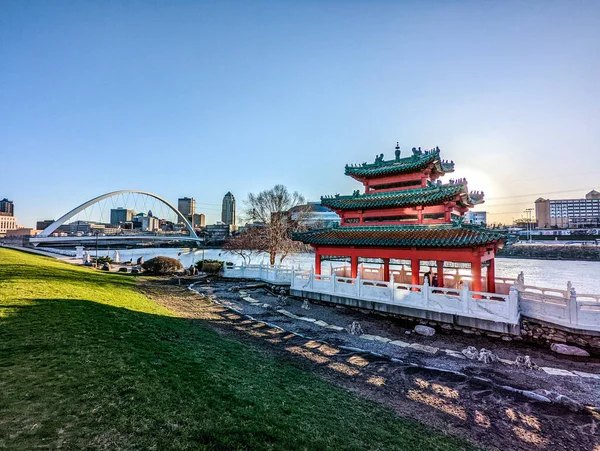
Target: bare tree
{"points": [[272, 208], [248, 244]]}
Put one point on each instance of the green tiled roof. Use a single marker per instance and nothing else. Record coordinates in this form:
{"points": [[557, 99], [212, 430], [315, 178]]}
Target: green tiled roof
{"points": [[430, 236], [417, 161], [432, 195]]}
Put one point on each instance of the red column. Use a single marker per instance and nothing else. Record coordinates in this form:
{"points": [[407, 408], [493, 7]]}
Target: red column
{"points": [[420, 214], [491, 277], [415, 267], [476, 274], [317, 262], [440, 273], [354, 267], [386, 269]]}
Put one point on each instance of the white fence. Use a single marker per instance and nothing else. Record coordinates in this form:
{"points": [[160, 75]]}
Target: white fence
{"points": [[463, 302], [562, 307], [268, 273]]}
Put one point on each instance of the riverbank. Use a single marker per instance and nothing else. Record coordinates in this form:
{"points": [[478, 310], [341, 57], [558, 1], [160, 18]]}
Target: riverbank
{"points": [[89, 362], [569, 252]]}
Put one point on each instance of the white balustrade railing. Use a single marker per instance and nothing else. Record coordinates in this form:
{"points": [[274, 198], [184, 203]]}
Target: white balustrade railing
{"points": [[563, 307]]}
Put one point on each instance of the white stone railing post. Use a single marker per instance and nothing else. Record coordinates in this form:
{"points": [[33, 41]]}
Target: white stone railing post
{"points": [[312, 277], [425, 292], [332, 275], [513, 303], [465, 297], [293, 278], [392, 287], [572, 304], [357, 285]]}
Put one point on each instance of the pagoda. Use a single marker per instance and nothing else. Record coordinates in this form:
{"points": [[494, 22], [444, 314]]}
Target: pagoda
{"points": [[406, 213]]}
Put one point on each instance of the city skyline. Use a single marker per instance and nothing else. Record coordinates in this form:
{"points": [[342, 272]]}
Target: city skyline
{"points": [[260, 94]]}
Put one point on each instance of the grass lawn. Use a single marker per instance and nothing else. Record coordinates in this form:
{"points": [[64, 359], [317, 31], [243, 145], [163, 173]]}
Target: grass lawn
{"points": [[86, 361]]}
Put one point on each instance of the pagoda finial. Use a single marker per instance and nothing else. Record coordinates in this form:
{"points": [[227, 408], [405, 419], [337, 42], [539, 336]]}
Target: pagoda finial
{"points": [[397, 151]]}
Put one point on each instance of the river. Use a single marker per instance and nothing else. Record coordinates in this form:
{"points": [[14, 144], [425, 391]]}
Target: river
{"points": [[584, 275]]}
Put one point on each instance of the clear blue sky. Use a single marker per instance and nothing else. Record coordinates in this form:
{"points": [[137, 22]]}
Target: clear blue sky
{"points": [[192, 98]]}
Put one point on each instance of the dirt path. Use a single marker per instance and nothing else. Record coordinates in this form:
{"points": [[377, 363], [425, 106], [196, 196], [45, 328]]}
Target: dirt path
{"points": [[460, 404]]}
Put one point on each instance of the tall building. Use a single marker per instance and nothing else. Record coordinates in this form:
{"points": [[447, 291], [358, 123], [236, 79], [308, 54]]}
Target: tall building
{"points": [[119, 215], [7, 216], [186, 206], [228, 210], [564, 213], [198, 220], [7, 208]]}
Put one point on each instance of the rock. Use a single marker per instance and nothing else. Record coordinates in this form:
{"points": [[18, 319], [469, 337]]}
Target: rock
{"points": [[447, 326], [456, 354], [584, 374], [122, 269], [354, 328], [506, 361], [468, 332], [424, 348], [557, 371], [564, 349], [375, 338], [506, 338], [470, 353], [332, 327], [524, 361], [407, 332], [425, 330], [534, 395], [402, 344], [487, 356], [321, 323], [306, 305]]}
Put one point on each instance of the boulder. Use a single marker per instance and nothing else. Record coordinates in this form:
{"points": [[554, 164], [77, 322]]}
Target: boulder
{"points": [[560, 348], [425, 330], [470, 353]]}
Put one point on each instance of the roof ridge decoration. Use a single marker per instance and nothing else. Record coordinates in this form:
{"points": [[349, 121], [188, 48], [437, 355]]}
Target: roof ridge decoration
{"points": [[419, 159]]}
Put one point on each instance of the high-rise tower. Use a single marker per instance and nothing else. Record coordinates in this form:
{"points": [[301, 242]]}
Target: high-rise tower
{"points": [[228, 210], [186, 206]]}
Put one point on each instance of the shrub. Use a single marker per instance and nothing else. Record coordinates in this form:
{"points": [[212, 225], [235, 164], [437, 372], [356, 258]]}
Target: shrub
{"points": [[209, 266], [102, 260], [162, 265]]}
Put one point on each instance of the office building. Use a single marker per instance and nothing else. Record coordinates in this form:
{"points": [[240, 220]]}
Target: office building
{"points": [[41, 225], [120, 215], [228, 210], [217, 233], [7, 207], [187, 206], [7, 223], [476, 217], [565, 213], [198, 220], [146, 223]]}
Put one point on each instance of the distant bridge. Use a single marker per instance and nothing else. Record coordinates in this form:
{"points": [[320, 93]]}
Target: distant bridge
{"points": [[46, 237]]}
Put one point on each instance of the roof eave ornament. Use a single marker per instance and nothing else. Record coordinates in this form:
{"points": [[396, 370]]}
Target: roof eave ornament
{"points": [[397, 151]]}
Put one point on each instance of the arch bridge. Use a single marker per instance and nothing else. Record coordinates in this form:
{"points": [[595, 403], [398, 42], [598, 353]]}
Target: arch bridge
{"points": [[48, 231]]}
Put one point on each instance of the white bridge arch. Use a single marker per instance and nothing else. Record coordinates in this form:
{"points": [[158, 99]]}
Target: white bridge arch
{"points": [[60, 221]]}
